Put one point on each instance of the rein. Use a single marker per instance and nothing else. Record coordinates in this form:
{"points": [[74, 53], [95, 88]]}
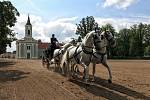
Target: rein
{"points": [[102, 55], [75, 54]]}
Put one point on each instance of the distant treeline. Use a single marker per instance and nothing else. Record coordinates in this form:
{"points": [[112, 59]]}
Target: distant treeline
{"points": [[132, 43]]}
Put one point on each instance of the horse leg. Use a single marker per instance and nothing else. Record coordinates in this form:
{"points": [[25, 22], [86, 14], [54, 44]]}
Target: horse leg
{"points": [[76, 70], [72, 69], [93, 72], [42, 62], [59, 67], [63, 68], [69, 70], [55, 66], [86, 71], [47, 64], [109, 70]]}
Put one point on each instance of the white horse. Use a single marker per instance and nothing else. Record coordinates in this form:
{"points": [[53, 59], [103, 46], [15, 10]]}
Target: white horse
{"points": [[58, 53], [100, 52], [81, 54]]}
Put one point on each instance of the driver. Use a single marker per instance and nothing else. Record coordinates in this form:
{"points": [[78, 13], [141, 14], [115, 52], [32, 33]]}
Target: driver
{"points": [[53, 43]]}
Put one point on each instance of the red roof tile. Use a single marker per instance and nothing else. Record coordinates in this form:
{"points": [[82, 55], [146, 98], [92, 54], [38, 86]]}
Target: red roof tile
{"points": [[42, 45]]}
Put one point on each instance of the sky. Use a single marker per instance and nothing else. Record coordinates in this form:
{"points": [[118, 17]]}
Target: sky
{"points": [[60, 17]]}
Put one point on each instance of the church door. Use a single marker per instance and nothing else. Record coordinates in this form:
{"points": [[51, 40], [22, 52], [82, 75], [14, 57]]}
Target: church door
{"points": [[28, 55]]}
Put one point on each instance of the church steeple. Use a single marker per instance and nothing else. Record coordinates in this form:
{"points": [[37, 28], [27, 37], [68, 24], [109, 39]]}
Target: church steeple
{"points": [[28, 21], [28, 28]]}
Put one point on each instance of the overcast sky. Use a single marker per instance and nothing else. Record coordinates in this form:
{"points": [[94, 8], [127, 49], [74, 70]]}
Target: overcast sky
{"points": [[61, 16]]}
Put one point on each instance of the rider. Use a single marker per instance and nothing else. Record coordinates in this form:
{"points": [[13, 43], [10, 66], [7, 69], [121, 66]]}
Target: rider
{"points": [[53, 43]]}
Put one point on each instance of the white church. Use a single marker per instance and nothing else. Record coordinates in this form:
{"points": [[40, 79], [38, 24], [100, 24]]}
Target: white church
{"points": [[28, 47]]}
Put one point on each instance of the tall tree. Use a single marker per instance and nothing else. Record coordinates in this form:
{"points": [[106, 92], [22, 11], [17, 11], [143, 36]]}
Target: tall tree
{"points": [[8, 19], [108, 27], [136, 45], [124, 42], [85, 26], [147, 51], [146, 39]]}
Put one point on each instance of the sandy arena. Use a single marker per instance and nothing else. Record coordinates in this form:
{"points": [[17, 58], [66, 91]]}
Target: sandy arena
{"points": [[29, 80]]}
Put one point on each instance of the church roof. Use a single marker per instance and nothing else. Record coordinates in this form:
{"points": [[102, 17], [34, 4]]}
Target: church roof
{"points": [[28, 21]]}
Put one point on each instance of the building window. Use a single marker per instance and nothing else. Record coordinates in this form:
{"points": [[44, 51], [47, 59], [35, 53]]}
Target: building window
{"points": [[22, 50], [28, 47], [28, 32]]}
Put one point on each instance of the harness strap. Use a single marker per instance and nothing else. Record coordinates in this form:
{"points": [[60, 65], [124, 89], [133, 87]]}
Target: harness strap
{"points": [[102, 55], [87, 46], [85, 51], [75, 54], [110, 39]]}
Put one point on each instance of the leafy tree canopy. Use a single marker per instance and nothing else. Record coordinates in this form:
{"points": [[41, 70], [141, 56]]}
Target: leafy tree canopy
{"points": [[8, 19]]}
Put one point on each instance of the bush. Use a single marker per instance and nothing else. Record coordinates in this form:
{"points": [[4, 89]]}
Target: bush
{"points": [[147, 51]]}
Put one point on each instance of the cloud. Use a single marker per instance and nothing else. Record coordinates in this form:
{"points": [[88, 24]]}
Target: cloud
{"points": [[41, 29], [120, 4], [63, 28], [119, 23]]}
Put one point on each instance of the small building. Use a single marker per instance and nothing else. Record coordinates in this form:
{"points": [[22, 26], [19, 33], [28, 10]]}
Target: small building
{"points": [[41, 47], [27, 47]]}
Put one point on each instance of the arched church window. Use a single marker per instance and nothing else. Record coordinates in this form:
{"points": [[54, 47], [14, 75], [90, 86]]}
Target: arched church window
{"points": [[28, 32]]}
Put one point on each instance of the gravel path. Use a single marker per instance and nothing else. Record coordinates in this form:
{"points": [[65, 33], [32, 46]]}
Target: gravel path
{"points": [[29, 80]]}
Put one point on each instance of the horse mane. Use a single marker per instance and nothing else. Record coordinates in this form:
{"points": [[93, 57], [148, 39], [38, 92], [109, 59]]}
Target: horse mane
{"points": [[67, 45], [87, 37]]}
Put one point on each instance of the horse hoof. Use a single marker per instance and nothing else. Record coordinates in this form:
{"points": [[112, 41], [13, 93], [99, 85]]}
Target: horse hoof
{"points": [[109, 81]]}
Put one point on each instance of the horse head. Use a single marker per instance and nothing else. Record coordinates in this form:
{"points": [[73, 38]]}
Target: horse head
{"points": [[109, 37]]}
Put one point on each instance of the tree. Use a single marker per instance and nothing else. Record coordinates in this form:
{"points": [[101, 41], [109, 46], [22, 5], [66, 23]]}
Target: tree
{"points": [[85, 26], [123, 41], [8, 19], [146, 39], [136, 45], [79, 39], [147, 51], [108, 27]]}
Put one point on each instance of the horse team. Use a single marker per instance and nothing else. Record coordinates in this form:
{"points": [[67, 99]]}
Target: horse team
{"points": [[92, 49]]}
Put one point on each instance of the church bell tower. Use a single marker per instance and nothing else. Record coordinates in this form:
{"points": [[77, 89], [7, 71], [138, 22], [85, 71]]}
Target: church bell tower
{"points": [[28, 29]]}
